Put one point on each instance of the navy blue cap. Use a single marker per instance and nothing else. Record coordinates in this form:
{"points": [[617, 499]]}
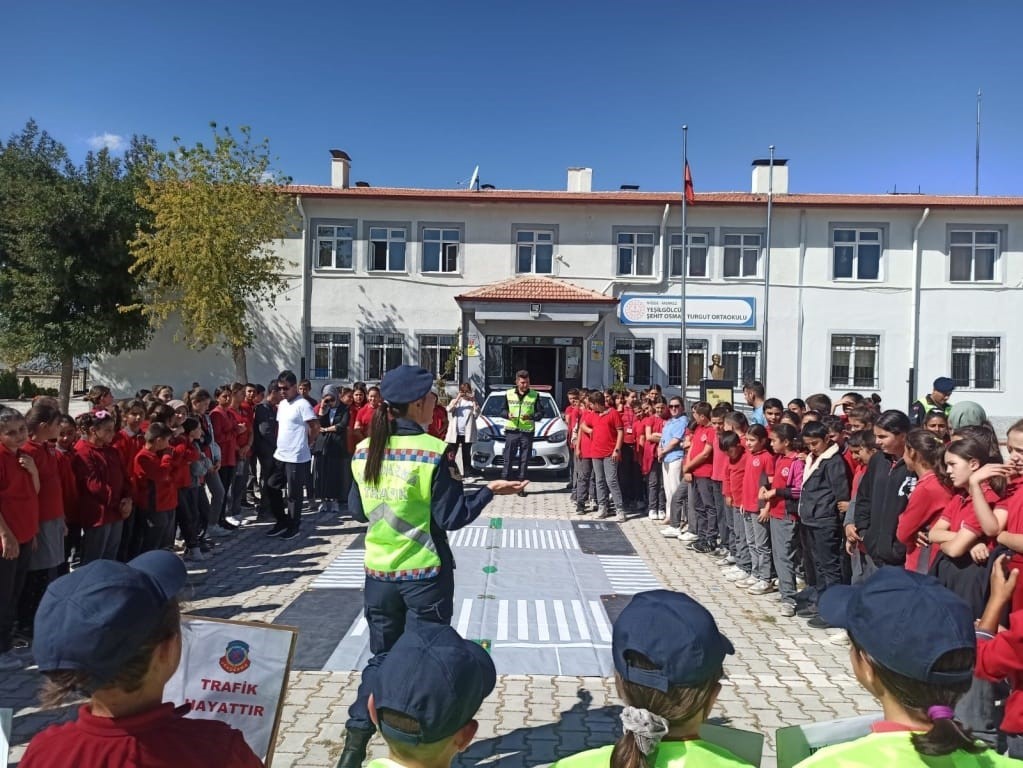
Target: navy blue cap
{"points": [[905, 621], [435, 677], [944, 384], [673, 631], [405, 384], [95, 618]]}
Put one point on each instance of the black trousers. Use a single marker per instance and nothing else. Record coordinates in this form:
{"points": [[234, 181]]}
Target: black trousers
{"points": [[390, 607], [12, 581], [466, 453], [271, 498], [517, 444], [292, 479], [825, 542]]}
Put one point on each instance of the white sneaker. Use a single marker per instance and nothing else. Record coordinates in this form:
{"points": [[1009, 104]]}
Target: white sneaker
{"points": [[735, 574], [839, 638], [652, 514], [722, 562], [669, 532], [747, 582], [761, 587], [234, 520], [687, 536]]}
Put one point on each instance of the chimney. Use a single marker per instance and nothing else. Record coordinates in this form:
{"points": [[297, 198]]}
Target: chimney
{"points": [[580, 179], [340, 169], [762, 171]]}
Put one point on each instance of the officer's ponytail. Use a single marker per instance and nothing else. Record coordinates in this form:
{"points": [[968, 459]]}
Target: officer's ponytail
{"points": [[380, 431]]}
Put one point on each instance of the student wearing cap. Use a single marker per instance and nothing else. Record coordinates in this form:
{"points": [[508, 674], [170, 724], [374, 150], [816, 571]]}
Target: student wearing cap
{"points": [[937, 400], [669, 680], [913, 647], [406, 489], [427, 693], [113, 631]]}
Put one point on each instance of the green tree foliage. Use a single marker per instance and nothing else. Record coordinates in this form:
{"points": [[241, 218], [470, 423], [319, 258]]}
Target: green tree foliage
{"points": [[64, 258], [210, 257]]}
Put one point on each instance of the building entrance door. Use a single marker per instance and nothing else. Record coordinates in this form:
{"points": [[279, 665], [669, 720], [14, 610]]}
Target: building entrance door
{"points": [[541, 362]]}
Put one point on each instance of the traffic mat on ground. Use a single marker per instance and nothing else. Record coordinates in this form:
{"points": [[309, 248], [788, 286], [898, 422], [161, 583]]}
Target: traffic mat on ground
{"points": [[322, 617]]}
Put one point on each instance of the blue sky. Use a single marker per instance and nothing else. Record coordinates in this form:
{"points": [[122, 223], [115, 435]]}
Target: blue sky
{"points": [[859, 97]]}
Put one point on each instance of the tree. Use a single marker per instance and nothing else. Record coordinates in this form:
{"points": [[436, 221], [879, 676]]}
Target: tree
{"points": [[210, 257], [64, 258]]}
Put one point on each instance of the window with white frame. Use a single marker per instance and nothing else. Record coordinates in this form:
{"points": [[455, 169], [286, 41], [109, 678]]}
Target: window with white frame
{"points": [[741, 360], [387, 249], [856, 253], [973, 255], [384, 351], [741, 254], [534, 251], [635, 253], [435, 352], [440, 249], [976, 362], [696, 361], [334, 246], [331, 355], [854, 359], [638, 355], [697, 249]]}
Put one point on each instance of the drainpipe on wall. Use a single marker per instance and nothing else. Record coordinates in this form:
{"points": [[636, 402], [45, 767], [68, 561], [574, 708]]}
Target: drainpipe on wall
{"points": [[586, 352], [914, 343], [800, 317], [306, 287]]}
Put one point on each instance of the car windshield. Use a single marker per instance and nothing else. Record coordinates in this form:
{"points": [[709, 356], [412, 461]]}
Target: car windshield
{"points": [[495, 404]]}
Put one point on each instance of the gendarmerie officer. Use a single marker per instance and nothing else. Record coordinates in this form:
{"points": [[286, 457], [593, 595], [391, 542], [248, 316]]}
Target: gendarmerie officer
{"points": [[405, 489]]}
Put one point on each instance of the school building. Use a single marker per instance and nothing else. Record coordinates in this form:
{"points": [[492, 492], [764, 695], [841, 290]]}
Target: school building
{"points": [[858, 292]]}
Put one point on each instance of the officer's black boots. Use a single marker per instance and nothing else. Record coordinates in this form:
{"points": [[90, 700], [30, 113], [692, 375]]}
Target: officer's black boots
{"points": [[354, 753]]}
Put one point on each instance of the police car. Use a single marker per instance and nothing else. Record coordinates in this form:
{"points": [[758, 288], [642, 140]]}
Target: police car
{"points": [[550, 442]]}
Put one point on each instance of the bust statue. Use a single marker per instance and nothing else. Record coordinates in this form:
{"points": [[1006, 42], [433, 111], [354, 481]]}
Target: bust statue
{"points": [[717, 371]]}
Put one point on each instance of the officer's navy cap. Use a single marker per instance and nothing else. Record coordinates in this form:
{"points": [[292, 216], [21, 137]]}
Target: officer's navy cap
{"points": [[435, 677], [675, 633], [944, 384], [96, 618], [905, 621], [405, 384]]}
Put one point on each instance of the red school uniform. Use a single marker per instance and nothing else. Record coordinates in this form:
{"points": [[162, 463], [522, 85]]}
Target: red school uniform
{"points": [[655, 424], [183, 453], [225, 432], [731, 488], [759, 474], [702, 438], [51, 494], [153, 482], [926, 503], [960, 514], [628, 417], [851, 464], [364, 418], [719, 464], [788, 469], [999, 658], [19, 502], [605, 426], [245, 417], [99, 484], [1014, 524], [68, 487]]}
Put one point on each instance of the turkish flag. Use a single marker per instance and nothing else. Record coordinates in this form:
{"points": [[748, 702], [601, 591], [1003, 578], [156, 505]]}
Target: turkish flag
{"points": [[689, 193]]}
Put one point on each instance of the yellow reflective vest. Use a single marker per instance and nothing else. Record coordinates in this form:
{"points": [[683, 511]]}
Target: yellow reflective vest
{"points": [[896, 750], [399, 545], [695, 753], [521, 410]]}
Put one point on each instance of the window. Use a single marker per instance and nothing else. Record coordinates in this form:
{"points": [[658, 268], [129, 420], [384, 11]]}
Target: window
{"points": [[334, 246], [696, 361], [856, 254], [534, 251], [435, 353], [440, 249], [741, 360], [973, 255], [635, 253], [330, 355], [638, 355], [697, 247], [742, 255], [854, 361], [383, 352], [386, 249], [976, 362]]}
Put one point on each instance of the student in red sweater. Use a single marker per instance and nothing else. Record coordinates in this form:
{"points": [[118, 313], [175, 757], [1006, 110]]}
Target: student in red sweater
{"points": [[733, 443], [43, 421], [756, 513], [697, 468], [184, 454], [783, 498], [65, 446], [19, 523], [225, 432], [718, 470], [102, 500], [924, 454], [156, 495], [113, 631], [128, 441], [604, 428], [653, 428]]}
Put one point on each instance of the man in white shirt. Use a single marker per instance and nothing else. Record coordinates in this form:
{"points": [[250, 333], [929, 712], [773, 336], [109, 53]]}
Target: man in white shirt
{"points": [[297, 428]]}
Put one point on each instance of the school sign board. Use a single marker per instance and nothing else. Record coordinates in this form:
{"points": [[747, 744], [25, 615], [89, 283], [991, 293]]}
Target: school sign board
{"points": [[701, 311], [237, 672]]}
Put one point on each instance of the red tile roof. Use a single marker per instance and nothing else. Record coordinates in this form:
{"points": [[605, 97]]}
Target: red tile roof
{"points": [[716, 199], [538, 289]]}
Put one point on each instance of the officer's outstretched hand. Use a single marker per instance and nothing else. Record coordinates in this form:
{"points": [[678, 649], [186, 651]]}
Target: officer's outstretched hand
{"points": [[506, 487]]}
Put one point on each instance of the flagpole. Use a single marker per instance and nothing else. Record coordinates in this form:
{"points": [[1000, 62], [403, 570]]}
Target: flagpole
{"points": [[976, 162], [767, 267], [685, 266]]}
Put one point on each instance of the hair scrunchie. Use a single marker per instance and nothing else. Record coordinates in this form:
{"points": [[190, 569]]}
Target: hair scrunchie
{"points": [[939, 712], [647, 728]]}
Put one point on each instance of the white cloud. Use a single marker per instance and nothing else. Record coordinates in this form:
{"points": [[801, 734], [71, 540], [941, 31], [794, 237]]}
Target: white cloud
{"points": [[110, 141]]}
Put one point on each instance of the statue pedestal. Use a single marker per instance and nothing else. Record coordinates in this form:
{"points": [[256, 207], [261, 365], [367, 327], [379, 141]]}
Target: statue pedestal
{"points": [[716, 391]]}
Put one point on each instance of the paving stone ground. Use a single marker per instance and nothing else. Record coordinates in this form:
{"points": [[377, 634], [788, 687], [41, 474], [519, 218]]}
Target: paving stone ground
{"points": [[782, 673]]}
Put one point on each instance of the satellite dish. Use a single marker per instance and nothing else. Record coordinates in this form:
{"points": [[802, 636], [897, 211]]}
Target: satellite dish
{"points": [[475, 178]]}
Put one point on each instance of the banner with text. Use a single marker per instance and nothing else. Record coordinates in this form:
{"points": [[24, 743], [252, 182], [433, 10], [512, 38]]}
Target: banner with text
{"points": [[235, 671], [701, 311]]}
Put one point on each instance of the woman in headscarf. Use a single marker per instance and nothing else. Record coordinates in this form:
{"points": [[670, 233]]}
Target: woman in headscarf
{"points": [[331, 448]]}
